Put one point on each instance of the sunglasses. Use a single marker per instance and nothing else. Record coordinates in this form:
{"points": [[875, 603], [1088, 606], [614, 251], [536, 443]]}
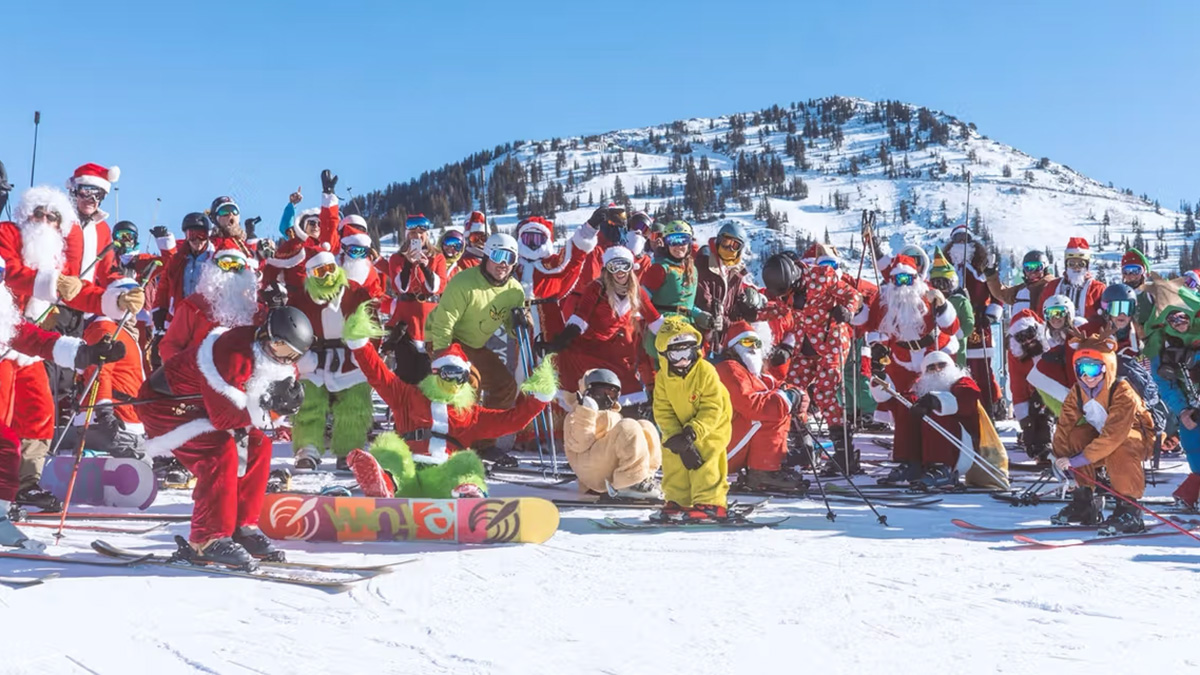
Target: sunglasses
{"points": [[197, 236], [750, 343], [453, 245], [282, 352], [323, 271], [477, 238], [309, 222], [1077, 264], [92, 192], [230, 264], [1133, 270], [126, 237], [618, 265], [829, 263], [455, 374], [502, 257], [730, 244], [935, 367], [48, 216], [228, 210], [678, 239], [357, 252], [1089, 368], [1056, 312], [1120, 308], [533, 239], [903, 279], [1027, 335], [418, 223], [1033, 266]]}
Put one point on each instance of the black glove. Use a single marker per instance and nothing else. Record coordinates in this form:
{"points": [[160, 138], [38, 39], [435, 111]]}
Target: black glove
{"points": [[683, 444], [928, 403], [159, 317], [985, 322], [159, 231], [703, 320], [599, 217], [840, 314], [563, 340], [753, 301], [102, 352], [5, 188], [799, 298], [960, 292], [395, 336], [880, 352], [328, 181], [991, 270], [249, 226], [520, 319], [781, 354], [284, 397], [274, 294]]}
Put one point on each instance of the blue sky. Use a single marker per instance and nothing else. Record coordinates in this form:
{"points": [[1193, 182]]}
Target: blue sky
{"points": [[198, 99]]}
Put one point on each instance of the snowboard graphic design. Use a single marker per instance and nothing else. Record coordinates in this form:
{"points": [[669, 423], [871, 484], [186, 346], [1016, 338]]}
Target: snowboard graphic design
{"points": [[103, 481]]}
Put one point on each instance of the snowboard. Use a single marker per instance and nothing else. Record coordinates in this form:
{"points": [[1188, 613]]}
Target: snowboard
{"points": [[527, 520], [102, 481]]}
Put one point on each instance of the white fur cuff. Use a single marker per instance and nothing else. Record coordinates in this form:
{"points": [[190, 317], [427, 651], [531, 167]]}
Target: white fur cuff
{"points": [[165, 244], [45, 285], [108, 302], [161, 446], [357, 344], [576, 321], [328, 201], [947, 403], [584, 239], [65, 349]]}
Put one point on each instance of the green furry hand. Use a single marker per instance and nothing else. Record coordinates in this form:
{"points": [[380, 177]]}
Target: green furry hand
{"points": [[362, 325], [542, 383]]}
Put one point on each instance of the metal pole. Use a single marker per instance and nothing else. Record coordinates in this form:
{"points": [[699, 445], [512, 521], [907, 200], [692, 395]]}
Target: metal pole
{"points": [[37, 120]]}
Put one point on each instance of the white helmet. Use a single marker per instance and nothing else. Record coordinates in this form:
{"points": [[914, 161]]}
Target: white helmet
{"points": [[501, 242], [1060, 301]]}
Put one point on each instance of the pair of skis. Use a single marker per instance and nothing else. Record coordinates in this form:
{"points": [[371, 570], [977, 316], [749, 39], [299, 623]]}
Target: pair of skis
{"points": [[738, 519], [1022, 534]]}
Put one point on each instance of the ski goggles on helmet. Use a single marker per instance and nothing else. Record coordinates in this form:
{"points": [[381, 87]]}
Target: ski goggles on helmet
{"points": [[477, 238], [322, 271], [92, 192], [533, 238], [502, 257], [228, 210], [230, 263], [1033, 266], [1120, 308], [1179, 320], [680, 353], [126, 237], [678, 239], [1133, 270], [639, 223], [828, 262], [357, 252], [618, 265], [1077, 263], [417, 223], [750, 342], [453, 373], [730, 244], [452, 244], [47, 215], [1088, 368], [1055, 312], [903, 279]]}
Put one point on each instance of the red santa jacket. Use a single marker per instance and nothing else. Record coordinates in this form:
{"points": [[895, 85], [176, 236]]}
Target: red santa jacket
{"points": [[1086, 299], [288, 262], [119, 380], [939, 331], [824, 290], [444, 429], [417, 291], [958, 412], [329, 363], [33, 344], [218, 369], [550, 279], [193, 320], [594, 263], [756, 400], [84, 243], [601, 322]]}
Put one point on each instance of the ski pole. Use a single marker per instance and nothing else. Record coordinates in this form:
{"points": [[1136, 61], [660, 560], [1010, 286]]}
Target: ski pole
{"points": [[93, 389], [37, 122], [846, 474], [812, 465], [1134, 502], [143, 401]]}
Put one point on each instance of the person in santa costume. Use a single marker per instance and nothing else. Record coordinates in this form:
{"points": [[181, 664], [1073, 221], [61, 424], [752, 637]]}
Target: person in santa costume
{"points": [[242, 375], [308, 233], [477, 236], [906, 321], [602, 331], [181, 271], [762, 411], [1038, 384], [1078, 285], [547, 275], [451, 243], [821, 342], [39, 276], [89, 241], [439, 418], [22, 337], [946, 396], [610, 453], [146, 270], [332, 380], [418, 275]]}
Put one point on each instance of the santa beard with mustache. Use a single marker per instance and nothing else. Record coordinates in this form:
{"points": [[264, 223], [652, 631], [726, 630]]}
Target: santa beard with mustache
{"points": [[751, 357], [904, 310], [938, 381], [1076, 277], [232, 296], [357, 269]]}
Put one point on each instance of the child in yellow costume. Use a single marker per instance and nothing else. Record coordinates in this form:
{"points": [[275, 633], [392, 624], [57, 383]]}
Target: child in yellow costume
{"points": [[692, 410]]}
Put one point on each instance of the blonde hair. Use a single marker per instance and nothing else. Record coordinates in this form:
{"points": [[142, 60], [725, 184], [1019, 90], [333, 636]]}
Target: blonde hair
{"points": [[610, 287]]}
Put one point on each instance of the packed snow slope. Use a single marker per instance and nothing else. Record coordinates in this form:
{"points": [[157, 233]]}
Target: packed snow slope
{"points": [[849, 596], [806, 170]]}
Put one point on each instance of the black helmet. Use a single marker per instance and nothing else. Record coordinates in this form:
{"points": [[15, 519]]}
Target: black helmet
{"points": [[1035, 257], [601, 376], [195, 221], [289, 325], [780, 273], [1115, 294]]}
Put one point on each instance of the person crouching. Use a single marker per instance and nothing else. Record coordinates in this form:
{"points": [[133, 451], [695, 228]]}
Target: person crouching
{"points": [[608, 452]]}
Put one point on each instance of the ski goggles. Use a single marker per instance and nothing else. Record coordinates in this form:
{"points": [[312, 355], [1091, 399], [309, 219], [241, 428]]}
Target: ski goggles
{"points": [[1133, 270], [903, 279], [1055, 312], [1120, 308], [228, 210], [750, 342], [618, 265], [1077, 264], [230, 263], [453, 245], [417, 223], [1179, 320], [477, 238], [322, 271], [1032, 267], [357, 252], [533, 238], [682, 353], [453, 373], [730, 244], [197, 236], [639, 223], [1088, 368], [92, 192], [678, 239], [828, 262], [502, 257], [49, 216], [126, 237]]}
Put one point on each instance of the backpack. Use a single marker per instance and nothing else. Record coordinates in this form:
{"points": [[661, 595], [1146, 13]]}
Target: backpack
{"points": [[1133, 372]]}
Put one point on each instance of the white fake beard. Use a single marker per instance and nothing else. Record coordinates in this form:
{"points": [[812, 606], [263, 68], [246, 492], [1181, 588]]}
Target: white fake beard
{"points": [[357, 269], [751, 357], [904, 311], [958, 254], [942, 380], [267, 371], [10, 318], [1076, 277], [42, 246], [233, 296]]}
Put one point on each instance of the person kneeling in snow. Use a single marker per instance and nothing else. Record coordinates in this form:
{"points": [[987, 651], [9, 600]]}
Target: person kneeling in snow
{"points": [[608, 452], [1103, 423], [439, 418], [693, 412]]}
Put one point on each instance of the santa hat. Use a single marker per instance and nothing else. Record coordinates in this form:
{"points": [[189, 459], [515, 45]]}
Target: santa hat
{"points": [[452, 356], [228, 248], [941, 268], [95, 175], [1193, 277], [901, 264], [476, 222], [616, 252], [936, 357], [816, 253], [1135, 257], [536, 224], [354, 231], [322, 258], [1022, 320], [1077, 247], [960, 229]]}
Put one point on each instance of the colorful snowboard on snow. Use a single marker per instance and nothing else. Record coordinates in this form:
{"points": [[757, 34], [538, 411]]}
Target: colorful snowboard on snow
{"points": [[102, 481], [526, 520]]}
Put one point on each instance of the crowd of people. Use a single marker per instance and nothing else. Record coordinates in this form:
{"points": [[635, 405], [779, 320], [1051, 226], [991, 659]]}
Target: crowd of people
{"points": [[644, 347]]}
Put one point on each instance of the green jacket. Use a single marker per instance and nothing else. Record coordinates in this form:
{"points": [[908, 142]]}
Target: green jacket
{"points": [[471, 309], [966, 321]]}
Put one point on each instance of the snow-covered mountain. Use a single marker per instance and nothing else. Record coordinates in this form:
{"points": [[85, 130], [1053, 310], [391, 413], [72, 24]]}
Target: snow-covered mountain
{"points": [[806, 171]]}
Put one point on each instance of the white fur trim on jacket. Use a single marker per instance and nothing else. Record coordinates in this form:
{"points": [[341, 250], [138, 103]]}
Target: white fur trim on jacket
{"points": [[947, 316], [259, 416], [433, 283], [357, 344], [161, 446], [1046, 384], [357, 239], [995, 311], [165, 244], [951, 347], [947, 403], [584, 239], [287, 263], [655, 325], [744, 440], [65, 349], [208, 368], [108, 302], [576, 321], [328, 200], [45, 285]]}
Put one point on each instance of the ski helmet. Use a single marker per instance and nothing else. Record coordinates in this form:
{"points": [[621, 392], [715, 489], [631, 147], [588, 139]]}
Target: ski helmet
{"points": [[289, 325], [640, 222], [1057, 302], [1033, 265], [125, 236], [601, 376], [599, 384], [195, 221], [499, 243], [734, 231], [780, 274], [1118, 300]]}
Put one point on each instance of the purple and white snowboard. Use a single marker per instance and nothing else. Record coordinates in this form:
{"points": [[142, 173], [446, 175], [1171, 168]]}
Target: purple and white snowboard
{"points": [[103, 481]]}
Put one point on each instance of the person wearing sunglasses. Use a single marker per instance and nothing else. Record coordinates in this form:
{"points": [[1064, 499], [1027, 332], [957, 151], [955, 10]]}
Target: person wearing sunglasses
{"points": [[452, 243], [418, 275], [239, 379], [1103, 424], [475, 303], [90, 234], [722, 281], [477, 237], [1080, 286], [1134, 269], [603, 328], [181, 270], [671, 285], [307, 233], [762, 413], [693, 411], [1037, 281], [226, 296]]}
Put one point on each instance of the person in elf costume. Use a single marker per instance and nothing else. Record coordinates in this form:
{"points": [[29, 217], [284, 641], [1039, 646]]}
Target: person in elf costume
{"points": [[694, 414], [944, 278], [436, 421]]}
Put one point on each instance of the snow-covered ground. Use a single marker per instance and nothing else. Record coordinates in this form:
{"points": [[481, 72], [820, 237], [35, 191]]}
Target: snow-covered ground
{"points": [[848, 596]]}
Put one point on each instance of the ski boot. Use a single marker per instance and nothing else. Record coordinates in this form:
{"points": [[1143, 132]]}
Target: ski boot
{"points": [[646, 489], [905, 472], [782, 480], [220, 551], [257, 544], [308, 458], [1187, 495], [706, 513], [1086, 508], [498, 458], [669, 513], [374, 480], [1125, 519], [936, 477], [172, 474], [844, 459], [280, 480], [801, 448], [41, 499], [10, 535], [342, 464]]}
